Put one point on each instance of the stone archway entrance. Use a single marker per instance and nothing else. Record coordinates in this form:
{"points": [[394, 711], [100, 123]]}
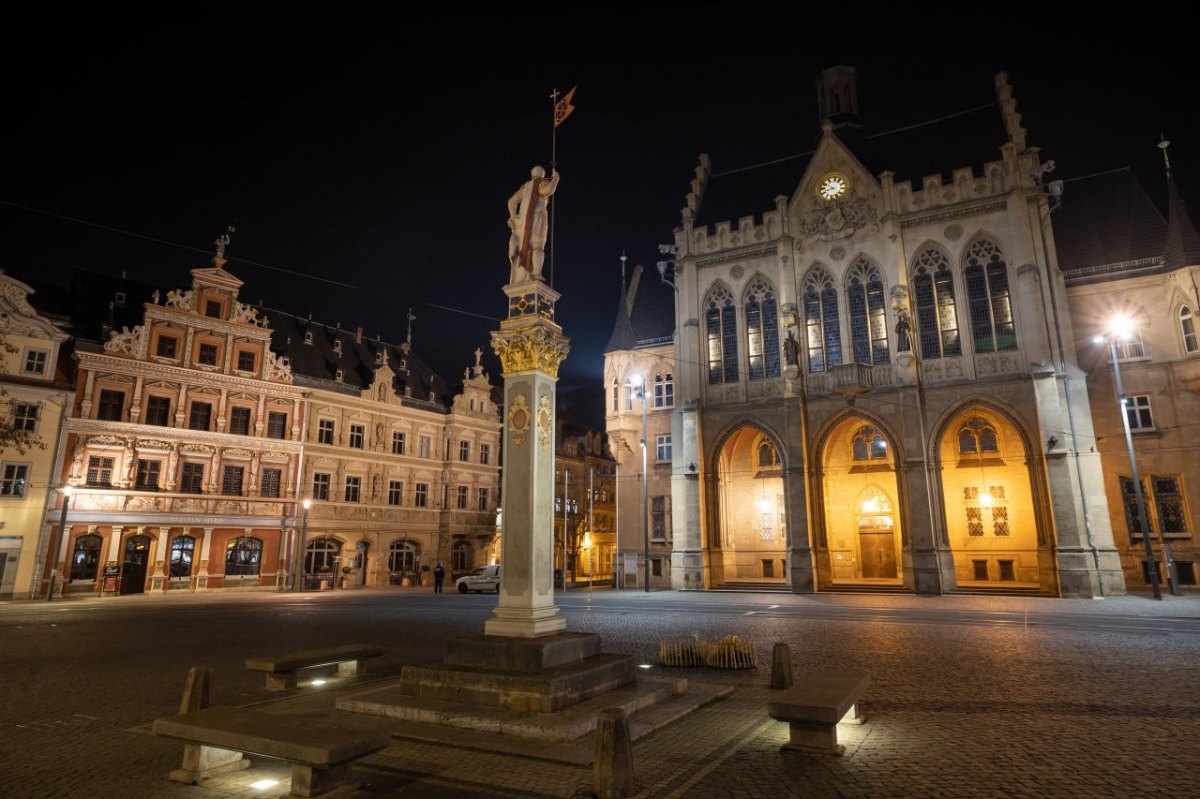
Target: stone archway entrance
{"points": [[751, 542], [863, 532], [991, 519]]}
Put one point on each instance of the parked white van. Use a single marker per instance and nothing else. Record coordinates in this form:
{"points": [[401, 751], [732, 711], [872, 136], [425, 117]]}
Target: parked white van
{"points": [[485, 578]]}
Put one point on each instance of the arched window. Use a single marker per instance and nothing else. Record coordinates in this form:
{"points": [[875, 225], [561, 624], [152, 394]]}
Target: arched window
{"points": [[1187, 326], [937, 319], [868, 444], [243, 556], [821, 321], [321, 552], [402, 557], [460, 556], [977, 436], [767, 455], [989, 299], [720, 329], [182, 549], [762, 330], [616, 395], [868, 320], [86, 557]]}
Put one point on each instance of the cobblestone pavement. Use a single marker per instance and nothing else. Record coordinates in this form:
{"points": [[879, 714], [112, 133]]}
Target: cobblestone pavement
{"points": [[970, 696]]}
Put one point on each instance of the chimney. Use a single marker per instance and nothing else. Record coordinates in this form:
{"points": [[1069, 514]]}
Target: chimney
{"points": [[358, 334]]}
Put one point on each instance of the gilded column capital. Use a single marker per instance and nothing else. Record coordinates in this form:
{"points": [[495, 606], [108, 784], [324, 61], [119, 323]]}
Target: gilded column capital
{"points": [[530, 349]]}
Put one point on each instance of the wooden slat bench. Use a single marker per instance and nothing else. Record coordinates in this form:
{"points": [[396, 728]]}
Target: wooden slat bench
{"points": [[282, 670], [319, 749], [814, 705]]}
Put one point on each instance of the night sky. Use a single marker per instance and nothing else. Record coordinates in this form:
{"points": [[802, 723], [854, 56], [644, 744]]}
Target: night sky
{"points": [[365, 156]]}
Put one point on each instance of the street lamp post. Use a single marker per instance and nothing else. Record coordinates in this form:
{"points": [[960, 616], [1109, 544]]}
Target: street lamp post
{"points": [[640, 381], [299, 565], [1119, 329], [66, 491]]}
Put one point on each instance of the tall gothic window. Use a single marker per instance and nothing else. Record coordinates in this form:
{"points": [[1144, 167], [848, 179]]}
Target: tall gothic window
{"points": [[868, 321], [762, 330], [1187, 327], [977, 436], [821, 321], [720, 327], [868, 444], [937, 318], [989, 299]]}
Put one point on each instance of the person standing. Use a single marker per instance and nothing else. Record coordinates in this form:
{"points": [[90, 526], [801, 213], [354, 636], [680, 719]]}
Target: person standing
{"points": [[439, 574]]}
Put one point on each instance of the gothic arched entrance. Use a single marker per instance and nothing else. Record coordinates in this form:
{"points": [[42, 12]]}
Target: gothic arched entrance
{"points": [[751, 540], [863, 534], [987, 489]]}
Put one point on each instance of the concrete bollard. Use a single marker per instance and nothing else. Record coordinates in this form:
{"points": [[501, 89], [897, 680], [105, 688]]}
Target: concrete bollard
{"points": [[197, 691], [781, 666], [612, 769]]}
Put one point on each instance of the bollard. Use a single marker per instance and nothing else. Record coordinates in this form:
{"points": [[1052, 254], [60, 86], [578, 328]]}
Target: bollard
{"points": [[781, 666], [612, 770], [197, 691]]}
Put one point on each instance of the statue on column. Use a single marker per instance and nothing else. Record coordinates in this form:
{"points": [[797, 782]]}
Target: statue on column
{"points": [[528, 219]]}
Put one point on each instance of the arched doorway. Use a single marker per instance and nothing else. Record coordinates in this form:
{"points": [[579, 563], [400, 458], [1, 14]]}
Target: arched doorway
{"points": [[991, 519], [133, 567], [863, 534], [751, 540], [322, 558], [404, 556]]}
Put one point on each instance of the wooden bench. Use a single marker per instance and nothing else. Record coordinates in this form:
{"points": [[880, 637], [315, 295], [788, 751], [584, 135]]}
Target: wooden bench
{"points": [[319, 749], [814, 705], [281, 670]]}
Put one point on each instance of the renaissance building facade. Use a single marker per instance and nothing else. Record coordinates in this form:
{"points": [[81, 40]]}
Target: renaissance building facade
{"points": [[877, 373]]}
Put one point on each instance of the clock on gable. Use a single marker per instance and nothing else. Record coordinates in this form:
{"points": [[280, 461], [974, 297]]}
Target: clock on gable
{"points": [[832, 186]]}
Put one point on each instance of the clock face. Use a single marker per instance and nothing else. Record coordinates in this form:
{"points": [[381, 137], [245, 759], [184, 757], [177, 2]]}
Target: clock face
{"points": [[832, 187]]}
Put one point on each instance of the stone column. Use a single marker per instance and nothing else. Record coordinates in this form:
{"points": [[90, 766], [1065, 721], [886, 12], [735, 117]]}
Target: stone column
{"points": [[162, 567], [531, 348], [202, 570]]}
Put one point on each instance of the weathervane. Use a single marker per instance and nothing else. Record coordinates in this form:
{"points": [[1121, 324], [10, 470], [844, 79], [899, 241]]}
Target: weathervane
{"points": [[223, 240]]}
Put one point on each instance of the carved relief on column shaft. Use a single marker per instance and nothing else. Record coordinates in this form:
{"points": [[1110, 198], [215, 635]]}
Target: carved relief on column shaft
{"points": [[530, 349]]}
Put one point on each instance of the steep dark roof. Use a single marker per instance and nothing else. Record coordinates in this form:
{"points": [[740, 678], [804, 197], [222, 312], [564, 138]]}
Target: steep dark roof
{"points": [[1107, 219], [645, 315], [966, 139], [99, 303], [357, 360], [1183, 243]]}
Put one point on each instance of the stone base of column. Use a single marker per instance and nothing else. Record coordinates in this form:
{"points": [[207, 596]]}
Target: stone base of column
{"points": [[525, 628]]}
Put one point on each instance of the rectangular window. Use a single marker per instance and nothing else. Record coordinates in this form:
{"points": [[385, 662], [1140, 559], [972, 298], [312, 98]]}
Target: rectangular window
{"points": [[397, 443], [158, 411], [212, 309], [231, 480], [485, 453], [13, 479], [25, 417], [664, 391], [166, 346], [656, 569], [325, 429], [191, 479], [663, 449], [277, 424], [1130, 346], [658, 516], [353, 488], [112, 405], [269, 486], [208, 355], [462, 498], [147, 475], [100, 471], [1168, 506], [35, 362], [357, 433], [1137, 411], [239, 421], [483, 498], [200, 416], [245, 361], [425, 445], [421, 500], [464, 450], [395, 492], [321, 484]]}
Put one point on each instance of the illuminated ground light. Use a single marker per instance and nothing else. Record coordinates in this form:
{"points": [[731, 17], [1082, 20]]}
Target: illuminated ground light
{"points": [[645, 665], [262, 785], [317, 682]]}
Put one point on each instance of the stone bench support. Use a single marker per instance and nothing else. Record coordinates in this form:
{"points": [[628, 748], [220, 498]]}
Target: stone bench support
{"points": [[814, 706], [282, 670]]}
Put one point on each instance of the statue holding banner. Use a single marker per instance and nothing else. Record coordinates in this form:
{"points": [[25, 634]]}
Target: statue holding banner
{"points": [[528, 219]]}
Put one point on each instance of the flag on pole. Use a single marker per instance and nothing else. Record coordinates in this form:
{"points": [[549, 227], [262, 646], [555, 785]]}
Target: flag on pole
{"points": [[563, 108]]}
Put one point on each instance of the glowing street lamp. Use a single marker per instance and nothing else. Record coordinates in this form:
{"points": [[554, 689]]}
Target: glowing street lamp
{"points": [[1122, 328], [639, 382]]}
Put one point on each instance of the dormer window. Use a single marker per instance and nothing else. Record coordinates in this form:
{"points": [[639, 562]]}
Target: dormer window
{"points": [[308, 337], [119, 299], [337, 346], [338, 375], [212, 309], [379, 358], [432, 397], [408, 391]]}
